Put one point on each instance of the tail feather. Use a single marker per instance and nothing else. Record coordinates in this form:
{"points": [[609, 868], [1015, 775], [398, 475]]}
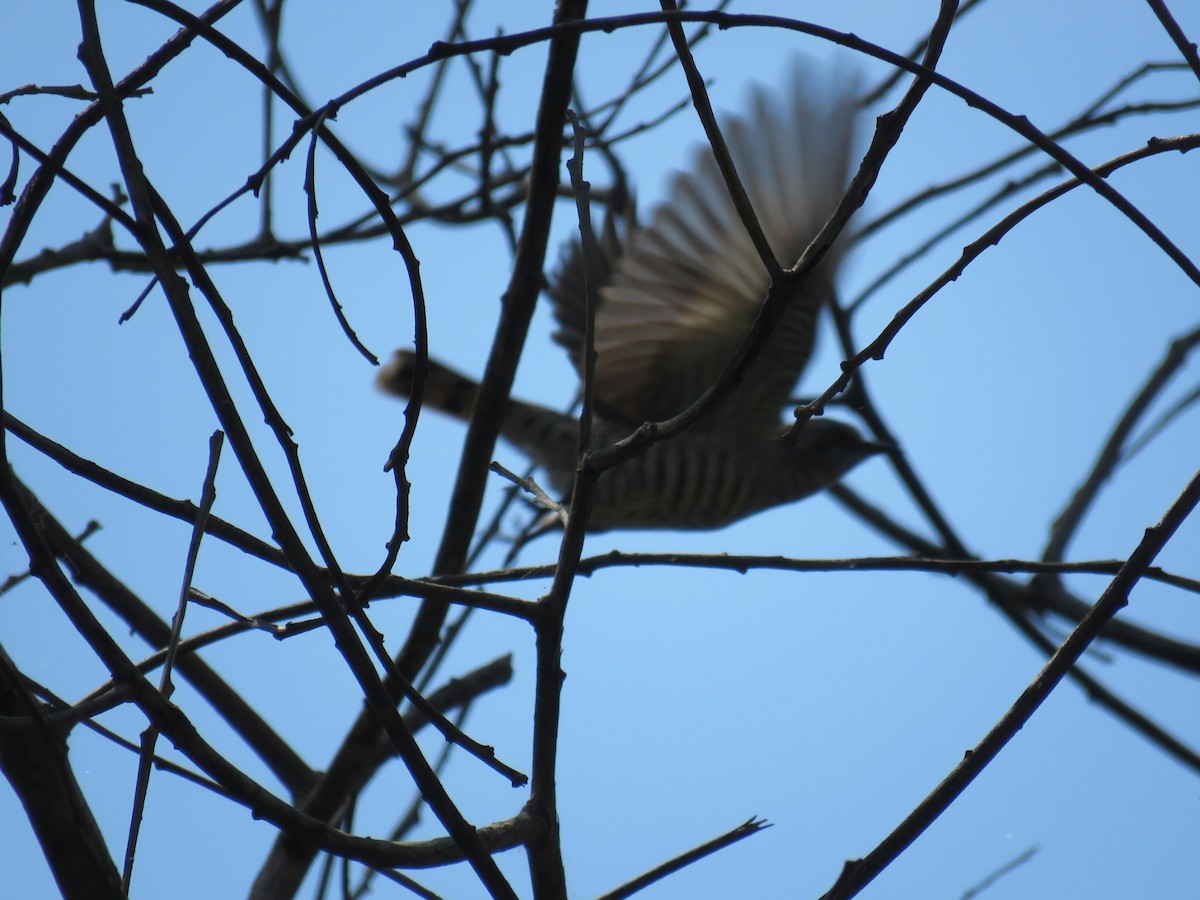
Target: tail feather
{"points": [[549, 437], [445, 389]]}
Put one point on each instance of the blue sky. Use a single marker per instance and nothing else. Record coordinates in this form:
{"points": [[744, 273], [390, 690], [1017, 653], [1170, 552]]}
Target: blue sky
{"points": [[827, 704]]}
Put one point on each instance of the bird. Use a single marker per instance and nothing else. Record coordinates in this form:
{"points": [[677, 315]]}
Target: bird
{"points": [[676, 298]]}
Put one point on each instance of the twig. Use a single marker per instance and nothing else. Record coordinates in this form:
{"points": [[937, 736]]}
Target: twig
{"points": [[208, 496], [530, 486], [1109, 457], [1187, 48], [747, 828], [1010, 866]]}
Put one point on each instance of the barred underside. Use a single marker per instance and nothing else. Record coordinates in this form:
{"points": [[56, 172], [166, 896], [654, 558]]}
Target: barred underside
{"points": [[688, 483]]}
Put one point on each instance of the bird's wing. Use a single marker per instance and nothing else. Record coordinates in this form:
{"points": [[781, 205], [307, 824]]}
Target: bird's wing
{"points": [[682, 296]]}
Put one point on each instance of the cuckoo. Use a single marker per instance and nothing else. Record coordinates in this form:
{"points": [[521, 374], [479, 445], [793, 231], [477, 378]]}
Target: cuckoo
{"points": [[676, 298]]}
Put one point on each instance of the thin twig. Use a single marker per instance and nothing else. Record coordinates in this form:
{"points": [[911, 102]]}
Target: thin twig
{"points": [[747, 828], [208, 496]]}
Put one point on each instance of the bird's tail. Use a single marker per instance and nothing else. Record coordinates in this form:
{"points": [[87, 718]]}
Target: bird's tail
{"points": [[445, 390], [550, 438]]}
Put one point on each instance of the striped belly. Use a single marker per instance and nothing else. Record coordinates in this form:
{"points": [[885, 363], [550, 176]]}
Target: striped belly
{"points": [[687, 483]]}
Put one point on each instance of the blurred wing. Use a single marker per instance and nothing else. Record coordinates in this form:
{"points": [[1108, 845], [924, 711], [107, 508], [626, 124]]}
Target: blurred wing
{"points": [[685, 292], [567, 288]]}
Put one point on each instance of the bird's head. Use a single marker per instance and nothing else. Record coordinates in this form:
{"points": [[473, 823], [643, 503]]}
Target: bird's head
{"points": [[825, 450]]}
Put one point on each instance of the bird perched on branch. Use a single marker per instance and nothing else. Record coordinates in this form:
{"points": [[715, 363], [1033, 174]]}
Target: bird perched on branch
{"points": [[676, 299]]}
